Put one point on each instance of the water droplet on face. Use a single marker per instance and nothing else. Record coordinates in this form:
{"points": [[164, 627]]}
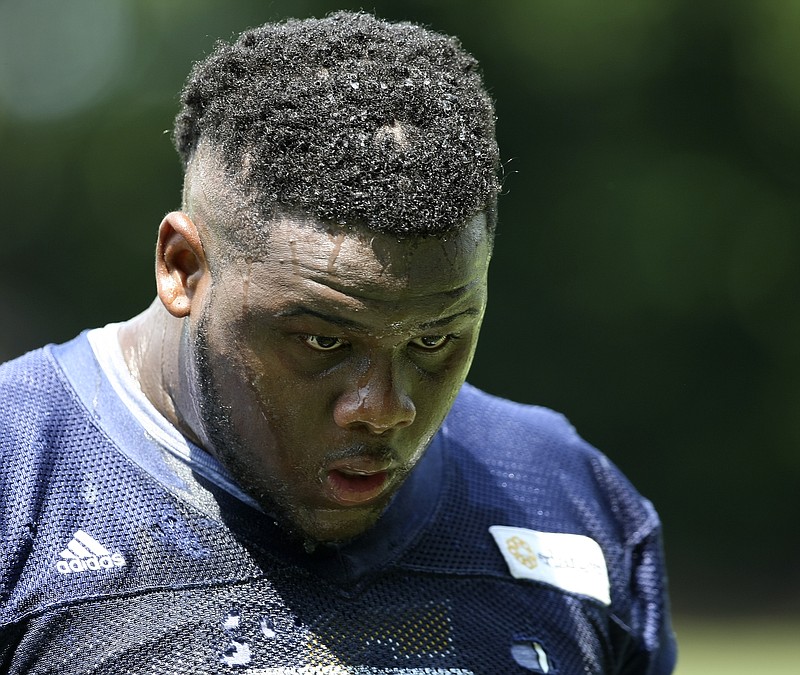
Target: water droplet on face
{"points": [[237, 654], [362, 394]]}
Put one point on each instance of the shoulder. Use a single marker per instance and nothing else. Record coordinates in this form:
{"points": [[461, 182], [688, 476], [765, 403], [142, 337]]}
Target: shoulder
{"points": [[535, 458], [480, 416], [498, 431], [31, 390], [25, 374], [35, 401], [35, 394]]}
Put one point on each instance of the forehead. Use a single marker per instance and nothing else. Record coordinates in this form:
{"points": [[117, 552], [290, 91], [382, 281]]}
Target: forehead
{"points": [[379, 261], [369, 277]]}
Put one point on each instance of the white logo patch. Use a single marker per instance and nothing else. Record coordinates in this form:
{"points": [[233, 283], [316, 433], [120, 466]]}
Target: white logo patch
{"points": [[85, 553], [571, 562]]}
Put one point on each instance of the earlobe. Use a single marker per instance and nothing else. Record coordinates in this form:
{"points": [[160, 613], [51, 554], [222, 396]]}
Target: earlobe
{"points": [[180, 263]]}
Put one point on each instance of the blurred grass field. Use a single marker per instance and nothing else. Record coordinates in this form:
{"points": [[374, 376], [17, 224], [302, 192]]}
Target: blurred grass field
{"points": [[742, 646]]}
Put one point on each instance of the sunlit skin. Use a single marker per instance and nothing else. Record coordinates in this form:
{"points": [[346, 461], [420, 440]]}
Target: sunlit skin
{"points": [[318, 369]]}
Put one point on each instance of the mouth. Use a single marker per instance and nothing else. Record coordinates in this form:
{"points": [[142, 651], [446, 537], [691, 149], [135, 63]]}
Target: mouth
{"points": [[356, 483]]}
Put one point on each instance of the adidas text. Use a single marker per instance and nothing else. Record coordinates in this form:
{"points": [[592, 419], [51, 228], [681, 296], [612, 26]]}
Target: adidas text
{"points": [[91, 563]]}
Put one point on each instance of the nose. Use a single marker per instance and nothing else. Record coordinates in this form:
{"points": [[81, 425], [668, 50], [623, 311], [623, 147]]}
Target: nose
{"points": [[377, 401]]}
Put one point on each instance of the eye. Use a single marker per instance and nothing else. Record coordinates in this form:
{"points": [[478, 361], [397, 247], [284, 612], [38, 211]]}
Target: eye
{"points": [[324, 343], [431, 342]]}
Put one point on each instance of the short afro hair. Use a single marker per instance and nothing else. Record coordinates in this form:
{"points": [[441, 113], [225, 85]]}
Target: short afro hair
{"points": [[350, 119]]}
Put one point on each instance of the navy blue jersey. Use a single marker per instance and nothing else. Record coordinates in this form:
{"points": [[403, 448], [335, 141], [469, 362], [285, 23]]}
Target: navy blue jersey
{"points": [[514, 547]]}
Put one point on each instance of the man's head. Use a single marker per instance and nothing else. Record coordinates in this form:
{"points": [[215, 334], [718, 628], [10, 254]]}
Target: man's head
{"points": [[329, 272]]}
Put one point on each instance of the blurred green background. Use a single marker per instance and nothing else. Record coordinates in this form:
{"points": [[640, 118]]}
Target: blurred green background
{"points": [[646, 271]]}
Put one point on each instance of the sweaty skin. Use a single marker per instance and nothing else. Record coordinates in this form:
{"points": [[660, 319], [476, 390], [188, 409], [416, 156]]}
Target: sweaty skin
{"points": [[318, 369]]}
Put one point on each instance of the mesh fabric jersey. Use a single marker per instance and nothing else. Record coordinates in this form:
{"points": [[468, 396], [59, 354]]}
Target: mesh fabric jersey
{"points": [[116, 557]]}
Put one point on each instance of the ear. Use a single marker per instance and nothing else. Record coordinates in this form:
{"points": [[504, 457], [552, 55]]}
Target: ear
{"points": [[180, 263]]}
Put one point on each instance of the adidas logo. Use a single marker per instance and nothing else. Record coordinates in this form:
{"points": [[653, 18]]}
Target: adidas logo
{"points": [[84, 553]]}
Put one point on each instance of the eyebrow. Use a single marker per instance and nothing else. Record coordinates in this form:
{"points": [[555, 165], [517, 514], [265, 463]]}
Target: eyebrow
{"points": [[355, 326]]}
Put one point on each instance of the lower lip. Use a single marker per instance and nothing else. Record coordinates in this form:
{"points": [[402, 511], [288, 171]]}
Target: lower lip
{"points": [[355, 489]]}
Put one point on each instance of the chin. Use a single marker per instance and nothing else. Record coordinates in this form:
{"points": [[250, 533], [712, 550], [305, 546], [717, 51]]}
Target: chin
{"points": [[337, 526]]}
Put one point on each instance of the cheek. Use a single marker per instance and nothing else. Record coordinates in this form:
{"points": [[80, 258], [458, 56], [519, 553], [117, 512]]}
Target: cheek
{"points": [[438, 401], [434, 394], [290, 408], [450, 379]]}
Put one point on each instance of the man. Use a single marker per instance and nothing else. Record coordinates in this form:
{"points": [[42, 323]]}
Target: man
{"points": [[277, 467]]}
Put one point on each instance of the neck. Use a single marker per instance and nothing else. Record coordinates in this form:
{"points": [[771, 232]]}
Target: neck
{"points": [[151, 347]]}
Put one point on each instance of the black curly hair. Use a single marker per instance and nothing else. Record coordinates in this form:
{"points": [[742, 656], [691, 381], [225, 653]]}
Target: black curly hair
{"points": [[351, 119]]}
